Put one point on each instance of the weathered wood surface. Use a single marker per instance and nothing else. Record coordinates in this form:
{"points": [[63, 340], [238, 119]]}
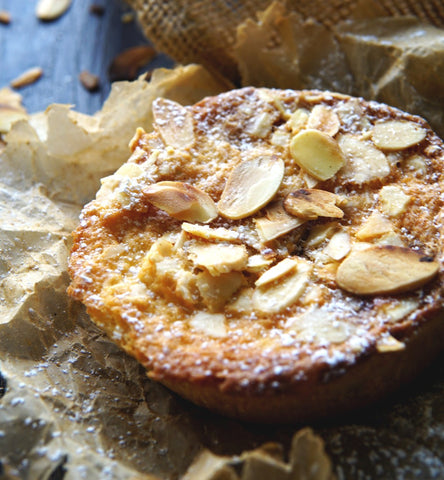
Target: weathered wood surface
{"points": [[78, 40]]}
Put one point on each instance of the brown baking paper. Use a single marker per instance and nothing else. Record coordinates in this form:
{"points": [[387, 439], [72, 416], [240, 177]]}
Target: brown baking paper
{"points": [[74, 406]]}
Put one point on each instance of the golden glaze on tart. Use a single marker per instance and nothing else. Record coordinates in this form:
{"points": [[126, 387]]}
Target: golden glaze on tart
{"points": [[272, 255]]}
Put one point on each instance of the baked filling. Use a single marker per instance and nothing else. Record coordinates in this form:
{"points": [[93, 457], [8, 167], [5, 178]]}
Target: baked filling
{"points": [[265, 237]]}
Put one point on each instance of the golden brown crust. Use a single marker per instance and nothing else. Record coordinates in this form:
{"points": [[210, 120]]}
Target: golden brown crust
{"points": [[237, 301]]}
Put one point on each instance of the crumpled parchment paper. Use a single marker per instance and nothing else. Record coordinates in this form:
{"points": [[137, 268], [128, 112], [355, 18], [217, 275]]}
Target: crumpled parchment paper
{"points": [[73, 405]]}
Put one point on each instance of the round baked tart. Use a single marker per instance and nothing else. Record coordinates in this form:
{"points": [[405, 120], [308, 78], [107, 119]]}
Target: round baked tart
{"points": [[273, 255]]}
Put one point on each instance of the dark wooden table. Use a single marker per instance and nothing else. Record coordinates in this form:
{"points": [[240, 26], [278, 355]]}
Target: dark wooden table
{"points": [[78, 40]]}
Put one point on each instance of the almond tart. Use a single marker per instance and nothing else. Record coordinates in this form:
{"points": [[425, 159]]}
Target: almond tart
{"points": [[272, 255]]}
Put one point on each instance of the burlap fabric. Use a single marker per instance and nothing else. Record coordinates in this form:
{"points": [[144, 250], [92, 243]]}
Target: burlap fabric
{"points": [[204, 31]]}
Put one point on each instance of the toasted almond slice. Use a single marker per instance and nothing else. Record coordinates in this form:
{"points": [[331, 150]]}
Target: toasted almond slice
{"points": [[217, 291], [174, 122], [51, 9], [364, 162], [243, 303], [310, 181], [279, 270], [204, 231], [211, 324], [310, 204], [317, 153], [257, 263], [385, 269], [389, 344], [324, 119], [27, 77], [391, 238], [392, 200], [320, 233], [320, 326], [273, 297], [276, 223], [397, 134], [260, 125], [182, 201], [401, 309], [298, 119], [375, 226], [339, 245], [217, 258], [250, 186]]}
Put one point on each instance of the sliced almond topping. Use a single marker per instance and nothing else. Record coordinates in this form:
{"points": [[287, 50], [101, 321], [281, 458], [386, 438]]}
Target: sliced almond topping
{"points": [[385, 269], [217, 291], [211, 324], [280, 138], [215, 234], [392, 200], [389, 344], [27, 77], [217, 258], [317, 153], [375, 226], [174, 122], [310, 181], [250, 186], [260, 125], [182, 201], [310, 204], [364, 162], [391, 238], [257, 263], [276, 223], [243, 303], [320, 326], [397, 134], [417, 164], [279, 270], [399, 310], [298, 120], [324, 119], [51, 9], [320, 233], [339, 245], [273, 297]]}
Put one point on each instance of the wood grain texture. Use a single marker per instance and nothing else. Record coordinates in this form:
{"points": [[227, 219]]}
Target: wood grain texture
{"points": [[78, 40]]}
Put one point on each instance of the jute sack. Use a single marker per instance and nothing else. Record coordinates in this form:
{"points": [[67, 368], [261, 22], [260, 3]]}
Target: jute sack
{"points": [[203, 31]]}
